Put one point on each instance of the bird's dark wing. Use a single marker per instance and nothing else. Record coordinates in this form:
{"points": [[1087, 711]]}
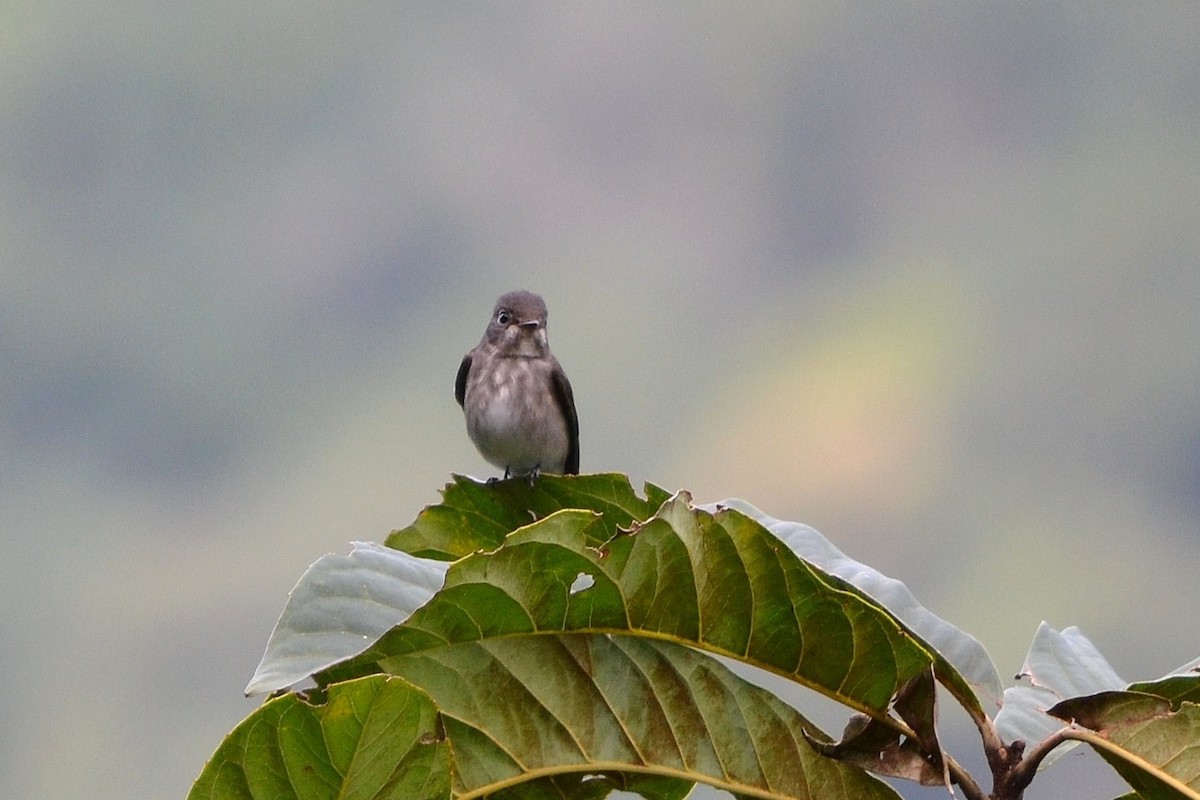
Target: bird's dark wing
{"points": [[460, 382], [566, 403]]}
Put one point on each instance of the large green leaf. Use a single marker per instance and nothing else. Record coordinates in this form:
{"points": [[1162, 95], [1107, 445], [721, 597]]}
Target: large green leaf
{"points": [[369, 739], [720, 582], [570, 717], [477, 516], [1156, 750], [587, 706]]}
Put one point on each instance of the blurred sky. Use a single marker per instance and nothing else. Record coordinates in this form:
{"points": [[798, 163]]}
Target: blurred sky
{"points": [[924, 277]]}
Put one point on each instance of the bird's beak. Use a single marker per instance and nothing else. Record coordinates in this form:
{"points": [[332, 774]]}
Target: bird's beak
{"points": [[530, 324]]}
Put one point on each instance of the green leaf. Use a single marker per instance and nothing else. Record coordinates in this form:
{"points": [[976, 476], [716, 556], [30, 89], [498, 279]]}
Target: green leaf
{"points": [[1182, 685], [571, 717], [584, 707], [722, 583], [1156, 750], [369, 739], [962, 662], [596, 786], [477, 516]]}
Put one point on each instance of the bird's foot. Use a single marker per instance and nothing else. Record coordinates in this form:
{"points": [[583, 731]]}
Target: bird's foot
{"points": [[532, 475]]}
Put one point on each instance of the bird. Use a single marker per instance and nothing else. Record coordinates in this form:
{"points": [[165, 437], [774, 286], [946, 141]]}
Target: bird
{"points": [[518, 403]]}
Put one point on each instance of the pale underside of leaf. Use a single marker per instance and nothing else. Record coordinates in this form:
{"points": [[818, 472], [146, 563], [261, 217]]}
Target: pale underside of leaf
{"points": [[1059, 665], [339, 607]]}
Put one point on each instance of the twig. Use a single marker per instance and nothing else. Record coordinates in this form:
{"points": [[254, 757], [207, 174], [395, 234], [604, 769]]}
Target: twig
{"points": [[1020, 775]]}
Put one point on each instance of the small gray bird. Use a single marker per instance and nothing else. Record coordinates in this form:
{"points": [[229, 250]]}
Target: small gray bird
{"points": [[518, 402]]}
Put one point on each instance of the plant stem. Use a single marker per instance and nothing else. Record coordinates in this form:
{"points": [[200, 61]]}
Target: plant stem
{"points": [[1020, 774]]}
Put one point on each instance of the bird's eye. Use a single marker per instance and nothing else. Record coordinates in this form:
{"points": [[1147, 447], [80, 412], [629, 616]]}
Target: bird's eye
{"points": [[503, 317]]}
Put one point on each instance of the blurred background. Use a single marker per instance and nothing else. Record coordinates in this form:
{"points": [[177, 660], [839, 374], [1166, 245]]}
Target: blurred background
{"points": [[925, 278]]}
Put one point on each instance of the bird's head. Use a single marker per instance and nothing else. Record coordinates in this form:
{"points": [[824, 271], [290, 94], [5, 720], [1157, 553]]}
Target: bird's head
{"points": [[518, 325]]}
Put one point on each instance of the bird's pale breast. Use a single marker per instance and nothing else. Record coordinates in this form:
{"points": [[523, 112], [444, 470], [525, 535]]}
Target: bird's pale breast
{"points": [[519, 426]]}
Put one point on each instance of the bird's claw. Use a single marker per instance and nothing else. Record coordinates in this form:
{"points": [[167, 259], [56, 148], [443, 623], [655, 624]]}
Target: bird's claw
{"points": [[508, 473]]}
